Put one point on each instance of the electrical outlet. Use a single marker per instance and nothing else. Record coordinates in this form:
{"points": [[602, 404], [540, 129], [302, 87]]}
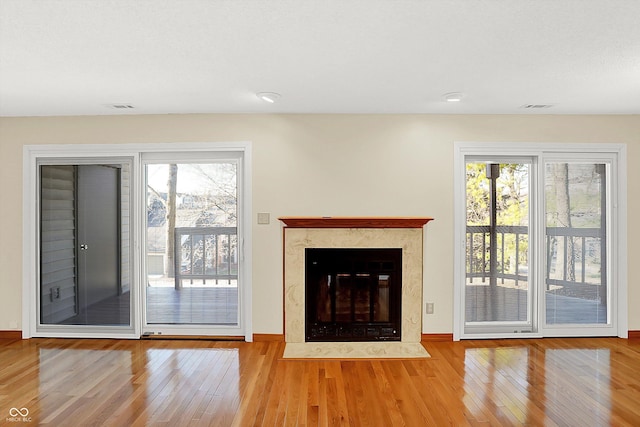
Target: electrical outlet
{"points": [[429, 308]]}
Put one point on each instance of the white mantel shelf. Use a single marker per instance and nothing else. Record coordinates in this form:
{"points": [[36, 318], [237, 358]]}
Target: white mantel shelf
{"points": [[354, 222]]}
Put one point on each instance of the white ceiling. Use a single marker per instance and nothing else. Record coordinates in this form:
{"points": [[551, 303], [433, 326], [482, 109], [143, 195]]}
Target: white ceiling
{"points": [[78, 57]]}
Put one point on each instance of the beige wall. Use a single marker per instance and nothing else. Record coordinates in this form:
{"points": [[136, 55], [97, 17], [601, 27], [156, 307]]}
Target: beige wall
{"points": [[350, 165]]}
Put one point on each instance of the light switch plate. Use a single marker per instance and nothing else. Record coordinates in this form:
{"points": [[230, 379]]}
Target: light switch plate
{"points": [[264, 217]]}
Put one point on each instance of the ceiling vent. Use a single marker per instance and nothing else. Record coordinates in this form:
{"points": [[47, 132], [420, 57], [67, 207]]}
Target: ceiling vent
{"points": [[537, 106], [122, 106]]}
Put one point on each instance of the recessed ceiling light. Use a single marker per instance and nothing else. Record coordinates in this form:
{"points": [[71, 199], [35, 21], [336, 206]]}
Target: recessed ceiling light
{"points": [[534, 106], [453, 96], [270, 97]]}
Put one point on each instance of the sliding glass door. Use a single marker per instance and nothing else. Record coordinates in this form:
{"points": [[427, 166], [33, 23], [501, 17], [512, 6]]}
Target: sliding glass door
{"points": [[192, 245], [124, 240], [538, 233], [84, 239], [576, 289], [498, 293]]}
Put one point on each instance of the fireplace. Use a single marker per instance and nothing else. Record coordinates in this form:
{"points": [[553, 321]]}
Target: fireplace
{"points": [[364, 337], [353, 294]]}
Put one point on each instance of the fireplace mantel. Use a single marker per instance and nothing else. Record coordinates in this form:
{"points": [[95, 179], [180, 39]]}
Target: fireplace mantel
{"points": [[301, 233], [354, 222]]}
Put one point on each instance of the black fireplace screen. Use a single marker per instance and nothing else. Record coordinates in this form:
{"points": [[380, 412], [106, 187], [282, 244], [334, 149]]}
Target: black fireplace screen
{"points": [[353, 294]]}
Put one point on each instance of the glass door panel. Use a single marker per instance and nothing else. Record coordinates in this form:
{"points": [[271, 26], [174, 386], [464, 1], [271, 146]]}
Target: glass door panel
{"points": [[84, 246], [497, 290], [192, 247], [576, 287]]}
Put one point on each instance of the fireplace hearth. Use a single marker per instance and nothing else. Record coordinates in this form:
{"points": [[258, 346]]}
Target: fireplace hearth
{"points": [[353, 294], [368, 319]]}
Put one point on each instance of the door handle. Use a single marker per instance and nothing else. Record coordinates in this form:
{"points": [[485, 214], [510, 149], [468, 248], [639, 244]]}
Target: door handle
{"points": [[84, 247]]}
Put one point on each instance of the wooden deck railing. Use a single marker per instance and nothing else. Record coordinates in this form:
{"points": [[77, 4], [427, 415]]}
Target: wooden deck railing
{"points": [[478, 236], [512, 263], [205, 253]]}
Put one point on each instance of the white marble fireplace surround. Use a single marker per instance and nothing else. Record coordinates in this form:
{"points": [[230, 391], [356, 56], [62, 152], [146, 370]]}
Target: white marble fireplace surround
{"points": [[405, 233]]}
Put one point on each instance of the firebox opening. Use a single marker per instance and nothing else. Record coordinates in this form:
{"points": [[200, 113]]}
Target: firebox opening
{"points": [[353, 294]]}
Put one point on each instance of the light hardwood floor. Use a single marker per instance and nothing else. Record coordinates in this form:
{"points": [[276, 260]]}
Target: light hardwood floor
{"points": [[552, 382]]}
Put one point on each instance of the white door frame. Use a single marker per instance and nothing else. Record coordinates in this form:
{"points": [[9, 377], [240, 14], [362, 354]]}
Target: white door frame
{"points": [[618, 217], [30, 265]]}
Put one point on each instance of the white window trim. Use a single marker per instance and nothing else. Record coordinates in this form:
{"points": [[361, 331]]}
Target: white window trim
{"points": [[544, 150], [31, 154]]}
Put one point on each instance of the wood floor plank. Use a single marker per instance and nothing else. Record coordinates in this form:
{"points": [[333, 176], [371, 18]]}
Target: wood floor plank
{"points": [[550, 382]]}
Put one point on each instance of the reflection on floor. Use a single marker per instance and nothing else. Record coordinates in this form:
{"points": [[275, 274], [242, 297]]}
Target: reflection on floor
{"points": [[196, 305], [517, 382]]}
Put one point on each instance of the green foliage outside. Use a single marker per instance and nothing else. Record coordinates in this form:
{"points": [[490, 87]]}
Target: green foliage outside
{"points": [[573, 199], [512, 210], [512, 191]]}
